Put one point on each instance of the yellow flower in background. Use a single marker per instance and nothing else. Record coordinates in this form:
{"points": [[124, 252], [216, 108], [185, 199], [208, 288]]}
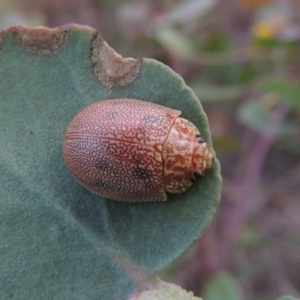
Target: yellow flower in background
{"points": [[273, 26], [264, 30]]}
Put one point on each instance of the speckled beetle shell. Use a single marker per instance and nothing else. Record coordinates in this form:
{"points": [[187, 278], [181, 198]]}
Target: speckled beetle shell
{"points": [[134, 150]]}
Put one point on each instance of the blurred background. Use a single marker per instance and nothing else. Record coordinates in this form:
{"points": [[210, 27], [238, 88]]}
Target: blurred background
{"points": [[241, 58]]}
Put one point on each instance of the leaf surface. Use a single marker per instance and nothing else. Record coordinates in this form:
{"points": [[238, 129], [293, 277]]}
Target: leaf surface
{"points": [[58, 239]]}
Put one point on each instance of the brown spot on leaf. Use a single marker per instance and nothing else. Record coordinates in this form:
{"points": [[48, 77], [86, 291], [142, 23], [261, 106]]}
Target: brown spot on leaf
{"points": [[42, 40], [39, 40], [110, 68]]}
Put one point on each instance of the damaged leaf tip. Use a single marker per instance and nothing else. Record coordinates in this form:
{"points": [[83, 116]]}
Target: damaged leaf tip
{"points": [[40, 40], [110, 68]]}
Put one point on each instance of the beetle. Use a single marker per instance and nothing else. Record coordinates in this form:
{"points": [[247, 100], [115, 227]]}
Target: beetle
{"points": [[133, 150]]}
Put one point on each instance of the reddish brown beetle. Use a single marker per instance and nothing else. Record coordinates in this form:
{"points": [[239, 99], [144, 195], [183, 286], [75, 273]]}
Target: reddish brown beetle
{"points": [[133, 150]]}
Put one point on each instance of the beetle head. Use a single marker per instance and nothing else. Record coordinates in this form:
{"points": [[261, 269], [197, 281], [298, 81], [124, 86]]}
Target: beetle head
{"points": [[202, 158]]}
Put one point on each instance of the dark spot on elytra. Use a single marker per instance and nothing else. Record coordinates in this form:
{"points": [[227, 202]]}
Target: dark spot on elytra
{"points": [[112, 115], [99, 183], [142, 173], [102, 165], [150, 119]]}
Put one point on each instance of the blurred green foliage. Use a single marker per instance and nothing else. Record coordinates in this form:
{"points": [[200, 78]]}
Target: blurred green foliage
{"points": [[223, 287]]}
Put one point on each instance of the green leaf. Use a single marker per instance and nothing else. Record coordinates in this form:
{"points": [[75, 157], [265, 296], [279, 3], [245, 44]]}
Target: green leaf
{"points": [[176, 43], [58, 240], [223, 287], [217, 94], [287, 91], [257, 115]]}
